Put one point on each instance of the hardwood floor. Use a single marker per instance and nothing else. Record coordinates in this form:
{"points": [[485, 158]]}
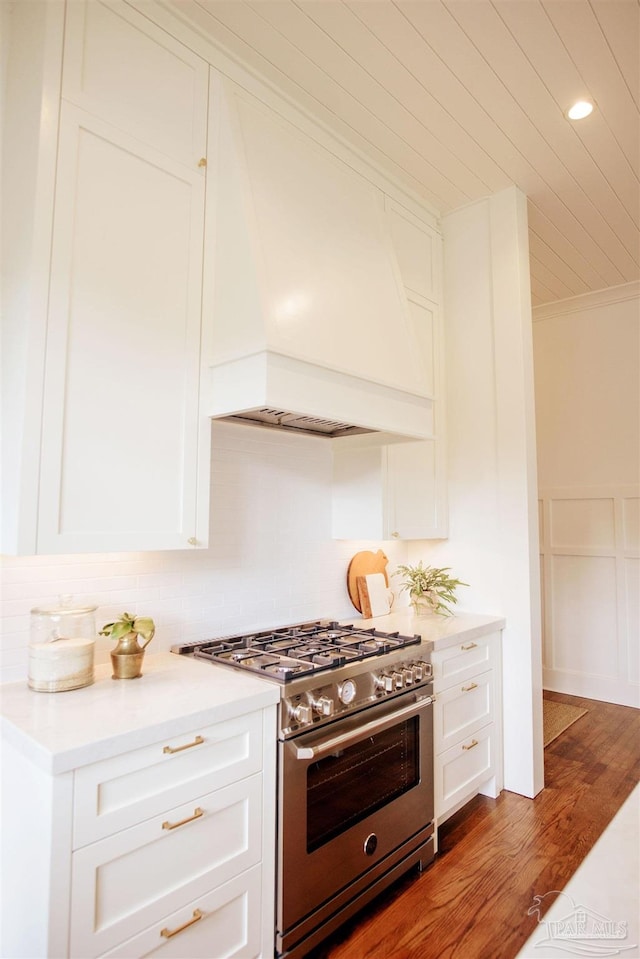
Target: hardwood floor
{"points": [[495, 855]]}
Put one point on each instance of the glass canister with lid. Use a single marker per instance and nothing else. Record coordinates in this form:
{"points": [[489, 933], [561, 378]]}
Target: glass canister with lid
{"points": [[62, 646]]}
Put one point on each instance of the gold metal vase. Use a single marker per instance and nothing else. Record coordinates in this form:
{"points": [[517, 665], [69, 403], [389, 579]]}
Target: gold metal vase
{"points": [[127, 657]]}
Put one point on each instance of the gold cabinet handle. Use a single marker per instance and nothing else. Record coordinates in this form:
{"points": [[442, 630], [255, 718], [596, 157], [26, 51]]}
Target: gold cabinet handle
{"points": [[192, 541], [168, 933], [470, 646], [467, 689], [178, 749], [474, 742], [197, 812], [202, 161]]}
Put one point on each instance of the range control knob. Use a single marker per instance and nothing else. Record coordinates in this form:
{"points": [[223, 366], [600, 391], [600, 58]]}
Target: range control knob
{"points": [[383, 682], [418, 672], [302, 714], [324, 706], [427, 669], [407, 674], [398, 680]]}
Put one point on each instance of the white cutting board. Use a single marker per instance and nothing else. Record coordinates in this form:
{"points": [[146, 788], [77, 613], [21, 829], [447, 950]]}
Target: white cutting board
{"points": [[378, 594]]}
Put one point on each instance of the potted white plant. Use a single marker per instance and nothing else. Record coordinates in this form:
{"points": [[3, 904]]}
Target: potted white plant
{"points": [[431, 589]]}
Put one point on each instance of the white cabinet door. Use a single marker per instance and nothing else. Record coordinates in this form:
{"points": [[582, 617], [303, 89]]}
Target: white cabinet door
{"points": [[121, 67], [223, 923], [460, 771], [389, 492], [416, 491], [120, 424], [123, 453], [138, 876]]}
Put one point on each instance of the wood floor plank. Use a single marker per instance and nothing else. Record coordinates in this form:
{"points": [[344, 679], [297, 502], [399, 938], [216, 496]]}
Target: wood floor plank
{"points": [[495, 855]]}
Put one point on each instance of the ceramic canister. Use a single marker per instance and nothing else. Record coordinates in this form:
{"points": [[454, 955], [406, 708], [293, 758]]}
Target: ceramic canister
{"points": [[62, 648]]}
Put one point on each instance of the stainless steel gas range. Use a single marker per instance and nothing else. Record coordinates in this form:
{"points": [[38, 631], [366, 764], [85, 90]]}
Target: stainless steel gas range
{"points": [[355, 765]]}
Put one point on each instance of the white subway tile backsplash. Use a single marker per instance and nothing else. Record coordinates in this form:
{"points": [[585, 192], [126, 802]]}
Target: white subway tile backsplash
{"points": [[271, 560]]}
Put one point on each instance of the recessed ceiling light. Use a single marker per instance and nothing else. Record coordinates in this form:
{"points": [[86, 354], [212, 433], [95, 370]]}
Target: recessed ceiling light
{"points": [[580, 110]]}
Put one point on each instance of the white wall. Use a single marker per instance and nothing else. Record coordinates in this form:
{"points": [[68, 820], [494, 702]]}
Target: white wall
{"points": [[493, 536], [587, 371], [271, 560]]}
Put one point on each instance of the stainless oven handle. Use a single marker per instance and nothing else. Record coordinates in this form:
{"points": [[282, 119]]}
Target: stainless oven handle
{"points": [[342, 740]]}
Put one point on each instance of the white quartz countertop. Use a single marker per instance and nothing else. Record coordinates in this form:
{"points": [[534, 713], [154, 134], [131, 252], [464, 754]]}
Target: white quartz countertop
{"points": [[443, 631], [62, 731]]}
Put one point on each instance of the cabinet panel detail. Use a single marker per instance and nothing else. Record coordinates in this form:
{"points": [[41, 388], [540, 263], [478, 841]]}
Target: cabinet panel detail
{"points": [[121, 67], [109, 903], [121, 388], [222, 918], [460, 662], [462, 709], [463, 768], [116, 793], [415, 246]]}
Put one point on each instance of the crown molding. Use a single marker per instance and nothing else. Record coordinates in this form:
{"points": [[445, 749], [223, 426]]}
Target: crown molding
{"points": [[587, 301]]}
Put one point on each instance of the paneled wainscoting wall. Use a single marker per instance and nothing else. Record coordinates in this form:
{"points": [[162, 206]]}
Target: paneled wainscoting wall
{"points": [[590, 572]]}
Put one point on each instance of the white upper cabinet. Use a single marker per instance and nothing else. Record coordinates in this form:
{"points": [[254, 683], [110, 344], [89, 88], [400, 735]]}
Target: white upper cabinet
{"points": [[390, 492], [121, 67], [124, 452]]}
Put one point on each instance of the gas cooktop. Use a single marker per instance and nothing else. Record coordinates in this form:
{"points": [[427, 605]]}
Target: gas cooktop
{"points": [[291, 652]]}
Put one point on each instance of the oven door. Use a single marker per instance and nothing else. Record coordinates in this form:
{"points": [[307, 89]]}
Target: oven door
{"points": [[350, 796]]}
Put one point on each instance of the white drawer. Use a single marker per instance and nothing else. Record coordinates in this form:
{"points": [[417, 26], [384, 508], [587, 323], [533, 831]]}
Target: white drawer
{"points": [[462, 709], [461, 661], [462, 769], [122, 884], [116, 793], [224, 923]]}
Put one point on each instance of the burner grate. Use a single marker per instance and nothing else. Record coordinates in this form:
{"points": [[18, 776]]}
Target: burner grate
{"points": [[291, 651]]}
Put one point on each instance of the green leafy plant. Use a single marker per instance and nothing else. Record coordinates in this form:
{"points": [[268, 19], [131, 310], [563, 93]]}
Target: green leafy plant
{"points": [[431, 584], [139, 625]]}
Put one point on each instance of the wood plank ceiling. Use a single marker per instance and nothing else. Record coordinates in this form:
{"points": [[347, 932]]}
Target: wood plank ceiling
{"points": [[460, 98]]}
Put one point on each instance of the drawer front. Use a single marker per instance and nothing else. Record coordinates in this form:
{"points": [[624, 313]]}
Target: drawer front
{"points": [[461, 770], [122, 884], [224, 923], [461, 661], [119, 792], [462, 709]]}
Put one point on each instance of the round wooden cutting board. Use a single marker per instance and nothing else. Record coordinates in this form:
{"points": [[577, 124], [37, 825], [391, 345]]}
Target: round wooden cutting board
{"points": [[362, 564]]}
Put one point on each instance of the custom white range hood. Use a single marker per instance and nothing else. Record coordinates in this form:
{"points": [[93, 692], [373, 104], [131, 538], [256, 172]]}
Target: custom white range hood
{"points": [[311, 328]]}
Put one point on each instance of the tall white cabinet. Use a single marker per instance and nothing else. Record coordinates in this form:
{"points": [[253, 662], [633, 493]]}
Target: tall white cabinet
{"points": [[121, 445]]}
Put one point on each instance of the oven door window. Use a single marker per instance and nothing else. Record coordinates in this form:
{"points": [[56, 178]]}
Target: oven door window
{"points": [[352, 783]]}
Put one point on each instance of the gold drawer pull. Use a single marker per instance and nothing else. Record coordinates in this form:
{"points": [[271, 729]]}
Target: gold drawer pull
{"points": [[470, 646], [467, 689], [197, 812], [178, 749], [168, 933], [474, 742]]}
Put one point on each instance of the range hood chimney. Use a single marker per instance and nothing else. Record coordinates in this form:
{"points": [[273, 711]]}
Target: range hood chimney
{"points": [[311, 328]]}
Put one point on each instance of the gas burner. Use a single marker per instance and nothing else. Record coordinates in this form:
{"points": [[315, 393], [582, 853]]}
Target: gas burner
{"points": [[366, 644], [288, 652], [311, 649]]}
